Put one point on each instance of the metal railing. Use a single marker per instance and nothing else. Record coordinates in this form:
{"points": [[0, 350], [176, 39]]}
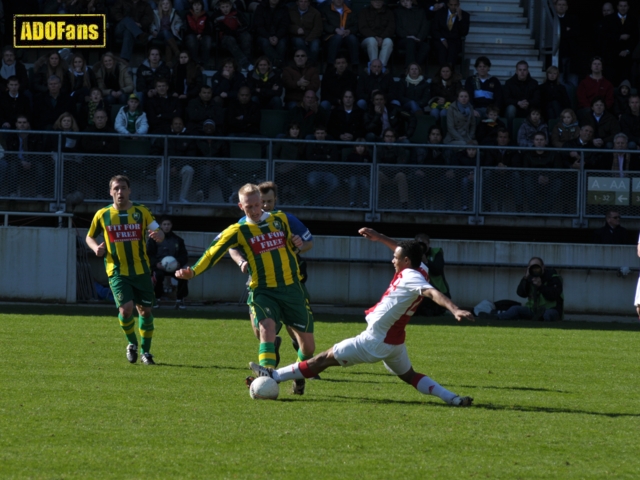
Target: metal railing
{"points": [[459, 184], [545, 27]]}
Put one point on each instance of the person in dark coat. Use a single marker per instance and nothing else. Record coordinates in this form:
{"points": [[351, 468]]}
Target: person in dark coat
{"points": [[271, 24], [403, 123], [133, 20], [12, 103], [151, 70], [413, 91], [620, 37], [569, 43], [449, 26], [227, 82], [553, 95], [337, 79], [592, 160], [412, 31], [11, 67], [521, 92], [50, 105], [171, 246], [611, 233], [541, 189], [340, 29], [630, 121], [161, 109], [347, 119], [605, 125], [374, 80], [204, 108], [266, 85], [243, 116]]}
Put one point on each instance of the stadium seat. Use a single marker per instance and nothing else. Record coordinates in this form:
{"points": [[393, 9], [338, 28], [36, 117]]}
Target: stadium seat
{"points": [[573, 96], [421, 135], [245, 150], [114, 112], [274, 122], [517, 123], [552, 123]]}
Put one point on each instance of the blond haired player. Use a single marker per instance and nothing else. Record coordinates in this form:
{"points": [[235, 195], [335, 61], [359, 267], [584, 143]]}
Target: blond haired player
{"points": [[383, 340]]}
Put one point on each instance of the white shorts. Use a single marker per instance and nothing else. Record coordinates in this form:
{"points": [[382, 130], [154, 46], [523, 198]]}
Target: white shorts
{"points": [[637, 302], [362, 349]]}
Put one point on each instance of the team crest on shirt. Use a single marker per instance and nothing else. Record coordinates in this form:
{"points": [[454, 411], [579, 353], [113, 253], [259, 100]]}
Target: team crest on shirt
{"points": [[136, 216], [276, 224]]}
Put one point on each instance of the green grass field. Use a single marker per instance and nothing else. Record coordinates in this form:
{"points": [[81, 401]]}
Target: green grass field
{"points": [[557, 401]]}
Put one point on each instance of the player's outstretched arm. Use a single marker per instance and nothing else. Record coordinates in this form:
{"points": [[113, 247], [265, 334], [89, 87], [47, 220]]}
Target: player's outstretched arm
{"points": [[445, 302], [98, 249], [375, 236], [185, 273]]}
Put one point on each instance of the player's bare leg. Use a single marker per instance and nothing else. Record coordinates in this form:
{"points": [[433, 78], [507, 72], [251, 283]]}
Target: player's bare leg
{"points": [[426, 385], [305, 340], [301, 370]]}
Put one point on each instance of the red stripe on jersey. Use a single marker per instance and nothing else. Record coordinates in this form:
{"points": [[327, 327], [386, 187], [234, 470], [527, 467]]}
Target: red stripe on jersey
{"points": [[391, 288], [396, 334]]}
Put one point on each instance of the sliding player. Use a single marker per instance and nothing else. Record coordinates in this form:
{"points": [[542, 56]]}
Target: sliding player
{"points": [[383, 340]]}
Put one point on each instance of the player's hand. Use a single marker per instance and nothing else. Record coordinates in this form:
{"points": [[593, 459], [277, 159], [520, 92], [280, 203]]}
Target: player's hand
{"points": [[244, 268], [101, 250], [157, 235], [297, 241], [463, 315], [369, 233], [185, 273]]}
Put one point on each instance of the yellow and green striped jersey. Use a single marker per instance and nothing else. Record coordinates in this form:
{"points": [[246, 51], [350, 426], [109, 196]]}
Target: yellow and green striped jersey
{"points": [[266, 245], [124, 237]]}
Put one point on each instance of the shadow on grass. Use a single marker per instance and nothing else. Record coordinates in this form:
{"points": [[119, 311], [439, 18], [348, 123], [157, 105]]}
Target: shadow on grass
{"points": [[526, 389], [488, 406], [211, 315], [533, 409], [216, 367]]}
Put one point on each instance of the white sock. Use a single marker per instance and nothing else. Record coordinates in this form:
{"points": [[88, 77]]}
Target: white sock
{"points": [[290, 372], [429, 387]]}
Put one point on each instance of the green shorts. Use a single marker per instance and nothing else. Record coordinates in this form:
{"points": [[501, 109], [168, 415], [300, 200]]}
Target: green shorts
{"points": [[287, 305], [138, 288]]}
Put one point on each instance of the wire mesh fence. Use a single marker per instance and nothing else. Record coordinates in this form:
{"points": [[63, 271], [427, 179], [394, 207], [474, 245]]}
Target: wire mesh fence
{"points": [[524, 191], [348, 176], [326, 184]]}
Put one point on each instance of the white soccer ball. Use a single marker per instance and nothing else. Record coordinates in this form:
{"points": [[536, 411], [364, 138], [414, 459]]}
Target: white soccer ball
{"points": [[264, 388], [170, 264]]}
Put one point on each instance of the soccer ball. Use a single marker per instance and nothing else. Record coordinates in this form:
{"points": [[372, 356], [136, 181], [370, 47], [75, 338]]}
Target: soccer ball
{"points": [[264, 388], [170, 264]]}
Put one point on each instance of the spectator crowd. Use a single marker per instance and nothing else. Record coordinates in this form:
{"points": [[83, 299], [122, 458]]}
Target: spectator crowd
{"points": [[303, 59]]}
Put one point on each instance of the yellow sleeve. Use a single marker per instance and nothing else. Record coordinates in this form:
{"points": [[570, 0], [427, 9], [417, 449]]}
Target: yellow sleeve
{"points": [[218, 248]]}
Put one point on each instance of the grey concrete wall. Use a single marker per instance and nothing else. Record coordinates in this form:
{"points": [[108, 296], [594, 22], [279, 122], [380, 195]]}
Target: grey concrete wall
{"points": [[38, 264]]}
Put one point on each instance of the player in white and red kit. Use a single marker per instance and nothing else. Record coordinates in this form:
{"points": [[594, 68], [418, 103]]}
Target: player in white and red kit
{"points": [[383, 340]]}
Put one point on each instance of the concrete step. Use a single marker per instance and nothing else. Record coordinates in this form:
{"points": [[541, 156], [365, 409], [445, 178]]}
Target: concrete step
{"points": [[495, 51], [493, 8], [506, 21], [518, 41], [507, 63], [499, 30], [466, 3]]}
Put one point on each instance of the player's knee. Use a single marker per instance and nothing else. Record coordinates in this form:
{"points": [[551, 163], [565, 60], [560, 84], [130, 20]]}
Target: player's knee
{"points": [[267, 325], [408, 377], [126, 310]]}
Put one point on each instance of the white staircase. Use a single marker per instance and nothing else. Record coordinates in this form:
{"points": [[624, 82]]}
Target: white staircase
{"points": [[499, 31]]}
